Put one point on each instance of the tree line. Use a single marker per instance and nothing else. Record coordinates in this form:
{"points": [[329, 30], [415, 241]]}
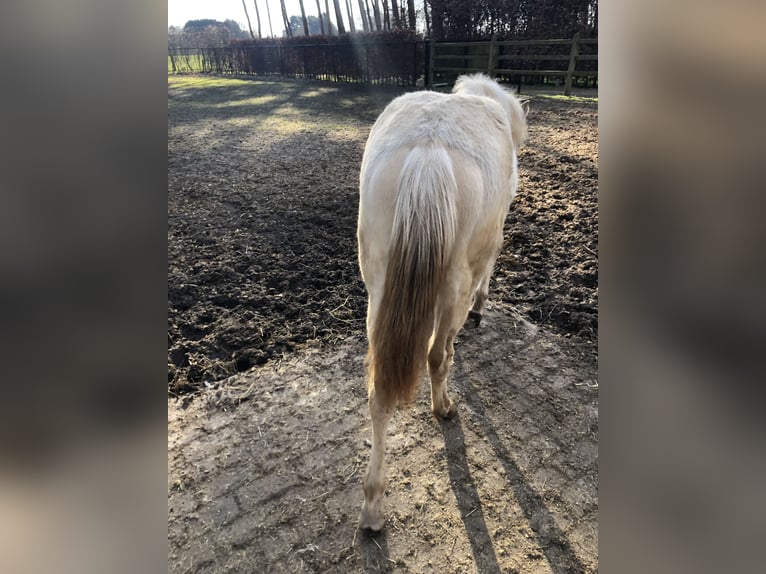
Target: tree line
{"points": [[454, 20]]}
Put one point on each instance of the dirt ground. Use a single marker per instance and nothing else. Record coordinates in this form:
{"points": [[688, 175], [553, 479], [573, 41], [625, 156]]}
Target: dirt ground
{"points": [[267, 410]]}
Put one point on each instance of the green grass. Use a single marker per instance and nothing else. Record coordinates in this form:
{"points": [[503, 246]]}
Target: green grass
{"points": [[568, 98], [185, 65]]}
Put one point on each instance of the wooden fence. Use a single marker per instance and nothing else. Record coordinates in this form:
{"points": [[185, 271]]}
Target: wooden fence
{"points": [[404, 63], [518, 61], [377, 63]]}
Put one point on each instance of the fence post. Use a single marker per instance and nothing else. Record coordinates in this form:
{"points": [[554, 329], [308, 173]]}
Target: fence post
{"points": [[367, 63], [572, 62], [491, 62], [431, 47]]}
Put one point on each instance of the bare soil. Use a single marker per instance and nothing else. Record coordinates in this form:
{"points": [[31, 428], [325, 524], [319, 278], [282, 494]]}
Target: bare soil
{"points": [[267, 416]]}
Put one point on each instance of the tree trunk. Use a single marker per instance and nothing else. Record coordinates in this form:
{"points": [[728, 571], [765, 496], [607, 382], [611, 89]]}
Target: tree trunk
{"points": [[250, 26], [321, 20], [339, 17], [395, 11], [303, 19], [285, 20], [350, 13], [258, 17], [437, 13], [327, 13], [411, 13], [363, 14], [369, 15], [428, 19], [268, 15], [386, 16], [376, 12]]}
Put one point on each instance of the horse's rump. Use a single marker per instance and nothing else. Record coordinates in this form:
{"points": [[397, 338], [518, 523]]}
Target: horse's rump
{"points": [[422, 236]]}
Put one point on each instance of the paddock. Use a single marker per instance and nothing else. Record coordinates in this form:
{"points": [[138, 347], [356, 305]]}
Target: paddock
{"points": [[267, 408]]}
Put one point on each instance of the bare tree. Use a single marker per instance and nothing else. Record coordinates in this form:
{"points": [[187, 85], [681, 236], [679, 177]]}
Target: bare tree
{"points": [[369, 15], [363, 13], [303, 19], [258, 17], [250, 26], [395, 12], [268, 15], [386, 16], [327, 14], [350, 13], [427, 16], [339, 18], [411, 13], [321, 21], [285, 19], [376, 12]]}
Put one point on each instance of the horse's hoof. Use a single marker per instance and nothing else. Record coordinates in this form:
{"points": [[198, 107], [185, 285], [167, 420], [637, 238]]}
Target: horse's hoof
{"points": [[473, 321], [368, 521], [448, 413]]}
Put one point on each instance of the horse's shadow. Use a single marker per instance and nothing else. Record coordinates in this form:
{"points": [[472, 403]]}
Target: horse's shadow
{"points": [[467, 497], [552, 540], [373, 549]]}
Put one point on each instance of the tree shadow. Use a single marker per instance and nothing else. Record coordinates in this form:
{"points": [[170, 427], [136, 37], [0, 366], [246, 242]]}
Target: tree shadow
{"points": [[551, 539], [253, 96]]}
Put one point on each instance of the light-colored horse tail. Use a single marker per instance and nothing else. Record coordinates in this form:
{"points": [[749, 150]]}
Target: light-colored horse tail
{"points": [[422, 238]]}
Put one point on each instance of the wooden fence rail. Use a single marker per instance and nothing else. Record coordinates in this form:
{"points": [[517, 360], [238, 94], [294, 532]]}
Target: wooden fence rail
{"points": [[516, 60], [403, 63]]}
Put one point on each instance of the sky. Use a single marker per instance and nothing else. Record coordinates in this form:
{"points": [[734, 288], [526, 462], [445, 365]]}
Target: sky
{"points": [[181, 11]]}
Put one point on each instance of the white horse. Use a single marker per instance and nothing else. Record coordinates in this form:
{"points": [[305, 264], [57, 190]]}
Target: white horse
{"points": [[438, 176]]}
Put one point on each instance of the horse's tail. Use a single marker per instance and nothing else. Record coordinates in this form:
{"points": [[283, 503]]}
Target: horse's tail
{"points": [[422, 238]]}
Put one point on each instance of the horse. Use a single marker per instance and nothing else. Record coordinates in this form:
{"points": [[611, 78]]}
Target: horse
{"points": [[438, 175]]}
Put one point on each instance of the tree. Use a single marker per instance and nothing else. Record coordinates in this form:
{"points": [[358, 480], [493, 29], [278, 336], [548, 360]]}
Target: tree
{"points": [[350, 13], [411, 13], [303, 19], [376, 13], [363, 13], [249, 25], [386, 16], [437, 18], [268, 15], [369, 15], [258, 17], [327, 15], [286, 20], [339, 17], [208, 33], [296, 23], [321, 20], [395, 12]]}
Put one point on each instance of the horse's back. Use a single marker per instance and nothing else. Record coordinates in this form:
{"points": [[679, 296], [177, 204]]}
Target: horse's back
{"points": [[474, 126], [475, 133]]}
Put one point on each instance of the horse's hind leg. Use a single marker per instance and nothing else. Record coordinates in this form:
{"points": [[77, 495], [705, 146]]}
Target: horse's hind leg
{"points": [[453, 307], [480, 297], [482, 291], [375, 481]]}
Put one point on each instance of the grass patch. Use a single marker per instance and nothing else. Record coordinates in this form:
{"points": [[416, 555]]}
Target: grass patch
{"points": [[185, 64], [561, 97]]}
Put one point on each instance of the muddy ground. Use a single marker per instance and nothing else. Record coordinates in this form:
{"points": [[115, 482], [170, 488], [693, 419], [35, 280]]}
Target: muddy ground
{"points": [[267, 415]]}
